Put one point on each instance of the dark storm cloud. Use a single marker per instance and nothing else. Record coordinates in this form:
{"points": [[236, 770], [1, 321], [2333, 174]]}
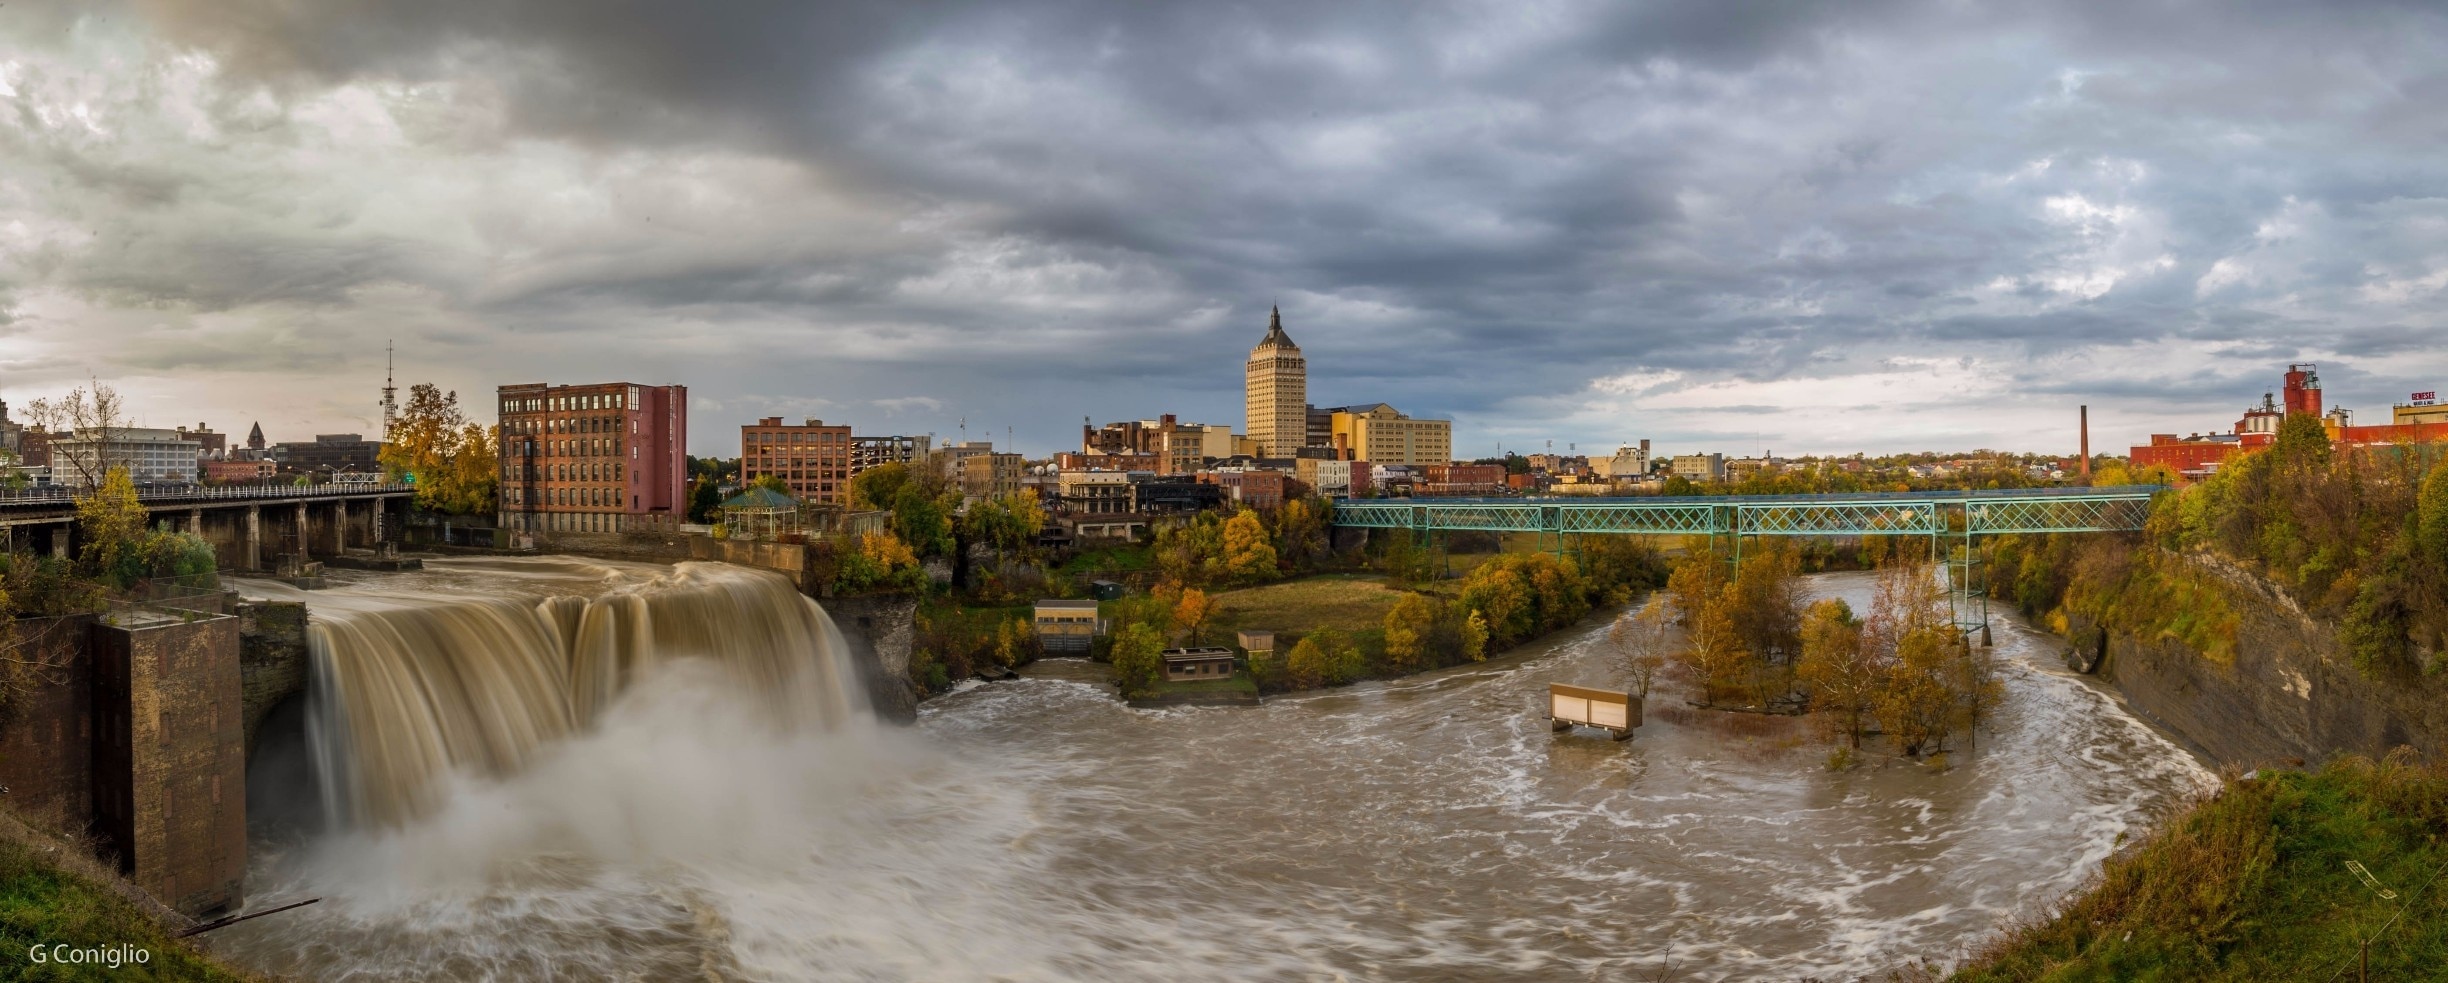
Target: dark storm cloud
{"points": [[1464, 208]]}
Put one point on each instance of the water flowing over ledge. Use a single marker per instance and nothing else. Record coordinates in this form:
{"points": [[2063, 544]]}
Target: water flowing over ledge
{"points": [[411, 686]]}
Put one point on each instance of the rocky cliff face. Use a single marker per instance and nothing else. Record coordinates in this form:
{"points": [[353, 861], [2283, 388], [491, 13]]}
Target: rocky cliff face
{"points": [[271, 658], [881, 630], [2291, 692]]}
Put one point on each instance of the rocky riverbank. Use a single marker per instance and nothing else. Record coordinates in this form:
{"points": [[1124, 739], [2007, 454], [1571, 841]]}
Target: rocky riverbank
{"points": [[2288, 693]]}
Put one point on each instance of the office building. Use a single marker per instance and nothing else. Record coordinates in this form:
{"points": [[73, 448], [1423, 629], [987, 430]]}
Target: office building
{"points": [[326, 455], [600, 457], [1380, 434], [811, 459], [910, 452], [151, 456], [991, 475], [1276, 391]]}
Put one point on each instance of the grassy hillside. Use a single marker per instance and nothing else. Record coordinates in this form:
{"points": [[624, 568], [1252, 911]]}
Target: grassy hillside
{"points": [[52, 894], [2253, 885]]}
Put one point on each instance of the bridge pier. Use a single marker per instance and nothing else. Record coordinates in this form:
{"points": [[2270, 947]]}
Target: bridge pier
{"points": [[339, 526], [59, 540], [254, 537], [195, 522], [305, 533]]}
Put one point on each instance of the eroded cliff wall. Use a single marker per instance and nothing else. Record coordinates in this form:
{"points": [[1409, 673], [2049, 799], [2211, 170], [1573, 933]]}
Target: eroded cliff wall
{"points": [[2289, 693]]}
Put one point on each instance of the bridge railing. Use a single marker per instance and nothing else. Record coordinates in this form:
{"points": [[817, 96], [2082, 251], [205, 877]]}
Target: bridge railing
{"points": [[1846, 514], [61, 494]]}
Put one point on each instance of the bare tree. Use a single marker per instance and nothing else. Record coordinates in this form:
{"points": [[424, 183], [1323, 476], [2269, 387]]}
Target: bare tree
{"points": [[92, 415], [1643, 638]]}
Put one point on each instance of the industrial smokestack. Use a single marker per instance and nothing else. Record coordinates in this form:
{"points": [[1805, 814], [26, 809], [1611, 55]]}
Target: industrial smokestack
{"points": [[2086, 442]]}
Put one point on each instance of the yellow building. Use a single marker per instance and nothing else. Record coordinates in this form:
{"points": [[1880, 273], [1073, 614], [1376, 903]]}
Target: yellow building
{"points": [[1278, 392], [1380, 434], [991, 475], [2407, 414]]}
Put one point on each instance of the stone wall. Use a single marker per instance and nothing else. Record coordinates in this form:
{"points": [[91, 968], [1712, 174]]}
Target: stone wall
{"points": [[169, 760], [787, 559], [271, 658], [881, 630], [2292, 693], [46, 730]]}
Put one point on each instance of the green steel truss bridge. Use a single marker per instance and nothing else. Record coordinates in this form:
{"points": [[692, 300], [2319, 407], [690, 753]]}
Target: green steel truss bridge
{"points": [[1951, 520]]}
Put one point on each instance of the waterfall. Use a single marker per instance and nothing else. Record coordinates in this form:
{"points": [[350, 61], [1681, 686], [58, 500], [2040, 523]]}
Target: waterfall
{"points": [[411, 687]]}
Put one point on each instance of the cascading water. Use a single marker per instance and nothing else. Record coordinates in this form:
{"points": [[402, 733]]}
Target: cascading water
{"points": [[412, 689], [574, 796]]}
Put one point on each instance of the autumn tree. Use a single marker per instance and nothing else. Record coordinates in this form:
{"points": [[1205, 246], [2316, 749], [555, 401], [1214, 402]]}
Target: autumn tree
{"points": [[877, 488], [1408, 628], [111, 522], [1015, 642], [1912, 629], [1475, 637], [1713, 649], [1138, 661], [881, 561], [456, 465], [923, 520], [1844, 677], [1300, 532], [1008, 523], [1339, 660], [1642, 640], [1522, 594], [1305, 667], [1192, 552], [1248, 555], [1191, 612]]}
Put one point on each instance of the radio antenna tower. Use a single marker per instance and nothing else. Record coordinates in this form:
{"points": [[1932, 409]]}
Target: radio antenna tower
{"points": [[390, 400]]}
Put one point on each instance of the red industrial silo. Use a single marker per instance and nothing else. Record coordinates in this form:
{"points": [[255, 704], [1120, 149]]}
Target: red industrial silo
{"points": [[2303, 394]]}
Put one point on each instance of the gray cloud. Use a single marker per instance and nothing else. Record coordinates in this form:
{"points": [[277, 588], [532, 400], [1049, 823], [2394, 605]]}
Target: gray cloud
{"points": [[1028, 212]]}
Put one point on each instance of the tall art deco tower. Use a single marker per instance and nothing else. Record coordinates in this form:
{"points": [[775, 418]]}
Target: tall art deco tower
{"points": [[1278, 392]]}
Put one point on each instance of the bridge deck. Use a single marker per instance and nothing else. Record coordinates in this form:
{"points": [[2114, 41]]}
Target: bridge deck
{"points": [[54, 503], [1842, 514]]}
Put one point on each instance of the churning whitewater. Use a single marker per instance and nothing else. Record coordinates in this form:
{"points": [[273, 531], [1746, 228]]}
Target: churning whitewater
{"points": [[566, 769]]}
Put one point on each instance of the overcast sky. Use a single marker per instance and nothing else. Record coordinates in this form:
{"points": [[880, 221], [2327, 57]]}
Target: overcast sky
{"points": [[1803, 227]]}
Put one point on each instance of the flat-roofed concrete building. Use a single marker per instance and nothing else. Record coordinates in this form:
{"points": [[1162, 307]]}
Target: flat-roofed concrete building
{"points": [[1190, 665], [150, 456], [602, 457], [1098, 492], [991, 474], [868, 452], [1068, 626], [812, 459], [1381, 434], [1333, 478], [1697, 467], [328, 454]]}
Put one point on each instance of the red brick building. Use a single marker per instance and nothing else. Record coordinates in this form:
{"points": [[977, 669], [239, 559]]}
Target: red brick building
{"points": [[1460, 479], [601, 457], [813, 459], [1256, 489]]}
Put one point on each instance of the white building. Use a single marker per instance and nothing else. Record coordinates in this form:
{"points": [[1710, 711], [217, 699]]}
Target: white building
{"points": [[1698, 467], [149, 455], [1629, 462]]}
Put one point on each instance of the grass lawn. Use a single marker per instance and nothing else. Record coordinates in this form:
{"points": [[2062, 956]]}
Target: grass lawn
{"points": [[1347, 602], [47, 899], [1110, 559]]}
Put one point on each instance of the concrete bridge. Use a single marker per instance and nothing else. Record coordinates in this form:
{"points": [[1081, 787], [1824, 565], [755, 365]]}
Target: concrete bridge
{"points": [[1952, 520], [247, 525]]}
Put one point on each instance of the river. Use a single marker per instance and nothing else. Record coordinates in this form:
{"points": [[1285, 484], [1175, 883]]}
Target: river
{"points": [[1430, 828]]}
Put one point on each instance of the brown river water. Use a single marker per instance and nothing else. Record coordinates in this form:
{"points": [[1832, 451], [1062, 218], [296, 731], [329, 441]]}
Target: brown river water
{"points": [[718, 814]]}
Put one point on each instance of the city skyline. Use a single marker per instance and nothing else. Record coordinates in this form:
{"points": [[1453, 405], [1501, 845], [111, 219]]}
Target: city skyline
{"points": [[1821, 232]]}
